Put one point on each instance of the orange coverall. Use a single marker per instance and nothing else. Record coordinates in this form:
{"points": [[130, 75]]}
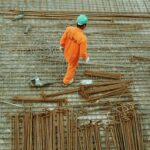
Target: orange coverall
{"points": [[74, 42]]}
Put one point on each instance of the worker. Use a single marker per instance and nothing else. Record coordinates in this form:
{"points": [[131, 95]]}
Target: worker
{"points": [[73, 43]]}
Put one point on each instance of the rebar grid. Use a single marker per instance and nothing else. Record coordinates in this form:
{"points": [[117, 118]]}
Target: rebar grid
{"points": [[89, 5], [110, 44]]}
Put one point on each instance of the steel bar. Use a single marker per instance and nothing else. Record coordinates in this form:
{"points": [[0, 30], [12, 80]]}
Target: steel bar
{"points": [[103, 74], [58, 132], [12, 133], [67, 91], [54, 130], [106, 83], [114, 138], [62, 130], [71, 129], [59, 18], [68, 130], [139, 58], [79, 138], [75, 134], [11, 104], [35, 134], [36, 99], [73, 14], [107, 139], [97, 137], [51, 130], [28, 131], [108, 94], [15, 134], [105, 88], [90, 137], [85, 137]]}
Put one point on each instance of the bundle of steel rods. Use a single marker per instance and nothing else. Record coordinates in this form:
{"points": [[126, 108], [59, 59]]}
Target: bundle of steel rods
{"points": [[47, 130], [121, 132], [96, 136], [97, 91], [89, 137], [127, 131], [59, 129]]}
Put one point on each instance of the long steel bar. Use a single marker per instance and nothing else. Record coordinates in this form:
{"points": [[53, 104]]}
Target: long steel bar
{"points": [[74, 14]]}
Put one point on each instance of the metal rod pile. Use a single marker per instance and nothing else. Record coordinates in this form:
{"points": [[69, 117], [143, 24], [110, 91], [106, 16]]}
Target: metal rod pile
{"points": [[66, 91], [121, 132], [89, 137], [127, 131], [58, 129], [97, 91], [46, 130]]}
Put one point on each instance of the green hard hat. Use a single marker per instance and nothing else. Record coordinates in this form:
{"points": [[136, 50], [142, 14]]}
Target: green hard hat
{"points": [[82, 19]]}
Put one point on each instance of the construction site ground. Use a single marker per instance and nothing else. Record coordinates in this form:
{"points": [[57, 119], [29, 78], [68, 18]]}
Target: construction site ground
{"points": [[114, 39]]}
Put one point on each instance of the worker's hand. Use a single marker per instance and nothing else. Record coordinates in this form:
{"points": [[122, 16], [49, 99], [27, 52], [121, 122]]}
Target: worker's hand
{"points": [[87, 60], [61, 49]]}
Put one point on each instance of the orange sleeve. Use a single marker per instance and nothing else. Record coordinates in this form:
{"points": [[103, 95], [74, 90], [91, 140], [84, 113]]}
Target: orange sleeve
{"points": [[83, 50], [63, 38]]}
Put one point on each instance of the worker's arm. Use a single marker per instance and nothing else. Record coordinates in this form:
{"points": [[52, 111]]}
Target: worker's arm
{"points": [[83, 50], [63, 38]]}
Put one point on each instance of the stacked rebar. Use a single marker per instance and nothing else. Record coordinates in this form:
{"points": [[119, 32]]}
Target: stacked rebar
{"points": [[46, 130], [98, 91], [58, 129], [121, 132], [89, 137], [127, 131]]}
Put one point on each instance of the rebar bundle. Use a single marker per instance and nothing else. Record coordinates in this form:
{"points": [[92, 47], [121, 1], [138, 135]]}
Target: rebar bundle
{"points": [[46, 130], [107, 89], [122, 131], [89, 137], [127, 131], [58, 129]]}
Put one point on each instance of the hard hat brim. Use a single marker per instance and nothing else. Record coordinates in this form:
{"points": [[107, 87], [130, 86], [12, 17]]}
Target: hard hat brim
{"points": [[80, 24]]}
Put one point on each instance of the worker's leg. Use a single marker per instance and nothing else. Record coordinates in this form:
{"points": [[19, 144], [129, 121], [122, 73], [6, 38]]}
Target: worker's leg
{"points": [[70, 72]]}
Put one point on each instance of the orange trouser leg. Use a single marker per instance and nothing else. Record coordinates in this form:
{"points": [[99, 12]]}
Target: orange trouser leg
{"points": [[70, 72]]}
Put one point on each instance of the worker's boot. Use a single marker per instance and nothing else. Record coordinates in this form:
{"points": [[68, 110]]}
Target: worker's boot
{"points": [[71, 81]]}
